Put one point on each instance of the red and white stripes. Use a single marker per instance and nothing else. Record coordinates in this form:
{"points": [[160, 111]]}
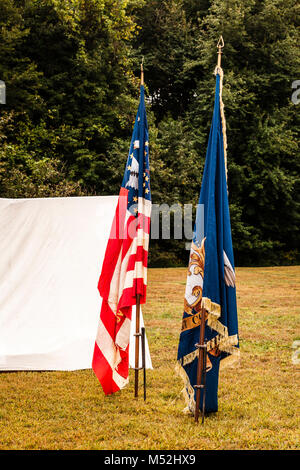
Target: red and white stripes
{"points": [[123, 276]]}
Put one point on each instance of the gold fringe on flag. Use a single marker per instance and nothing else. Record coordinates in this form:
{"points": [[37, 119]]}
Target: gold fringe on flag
{"points": [[219, 70]]}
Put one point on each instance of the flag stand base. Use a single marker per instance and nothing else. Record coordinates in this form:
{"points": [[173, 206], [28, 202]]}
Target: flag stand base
{"points": [[137, 368], [201, 380]]}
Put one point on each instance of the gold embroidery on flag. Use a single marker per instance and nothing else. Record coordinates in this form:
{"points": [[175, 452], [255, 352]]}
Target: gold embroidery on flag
{"points": [[191, 322], [119, 315]]}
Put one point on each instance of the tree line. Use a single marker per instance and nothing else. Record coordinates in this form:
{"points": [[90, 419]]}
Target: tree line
{"points": [[71, 69]]}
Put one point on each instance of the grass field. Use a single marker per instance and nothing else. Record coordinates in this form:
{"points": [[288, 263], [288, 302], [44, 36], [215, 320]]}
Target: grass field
{"points": [[258, 399]]}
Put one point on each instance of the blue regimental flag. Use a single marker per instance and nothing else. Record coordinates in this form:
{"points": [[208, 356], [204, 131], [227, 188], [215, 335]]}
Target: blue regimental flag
{"points": [[211, 274]]}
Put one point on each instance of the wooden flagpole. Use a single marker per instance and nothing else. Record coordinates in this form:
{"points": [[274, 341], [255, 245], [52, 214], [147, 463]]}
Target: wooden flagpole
{"points": [[142, 72], [144, 360], [201, 369], [137, 346], [137, 317]]}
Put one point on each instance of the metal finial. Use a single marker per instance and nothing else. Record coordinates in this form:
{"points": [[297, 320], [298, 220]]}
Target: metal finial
{"points": [[220, 46]]}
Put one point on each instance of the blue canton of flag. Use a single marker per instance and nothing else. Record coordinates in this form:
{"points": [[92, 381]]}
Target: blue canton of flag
{"points": [[210, 286], [137, 174]]}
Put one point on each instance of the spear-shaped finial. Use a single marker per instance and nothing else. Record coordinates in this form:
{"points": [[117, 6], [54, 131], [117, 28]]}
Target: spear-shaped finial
{"points": [[220, 46], [142, 72]]}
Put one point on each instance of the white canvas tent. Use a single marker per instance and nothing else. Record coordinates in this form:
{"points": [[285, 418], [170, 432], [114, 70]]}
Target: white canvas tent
{"points": [[51, 252]]}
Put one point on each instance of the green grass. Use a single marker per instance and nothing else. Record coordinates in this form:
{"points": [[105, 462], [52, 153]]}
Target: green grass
{"points": [[258, 399]]}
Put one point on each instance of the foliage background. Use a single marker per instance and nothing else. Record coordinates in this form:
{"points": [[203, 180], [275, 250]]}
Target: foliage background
{"points": [[71, 69]]}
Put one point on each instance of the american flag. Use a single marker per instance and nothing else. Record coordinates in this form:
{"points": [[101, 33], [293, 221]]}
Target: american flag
{"points": [[124, 269]]}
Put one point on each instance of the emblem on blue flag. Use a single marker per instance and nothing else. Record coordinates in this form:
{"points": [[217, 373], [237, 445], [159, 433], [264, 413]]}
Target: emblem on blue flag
{"points": [[210, 287]]}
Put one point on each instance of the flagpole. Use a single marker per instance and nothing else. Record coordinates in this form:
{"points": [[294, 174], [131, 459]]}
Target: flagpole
{"points": [[144, 360], [142, 72], [137, 317], [201, 369], [137, 346]]}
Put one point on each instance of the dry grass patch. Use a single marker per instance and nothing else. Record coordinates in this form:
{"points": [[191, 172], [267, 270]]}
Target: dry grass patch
{"points": [[258, 401]]}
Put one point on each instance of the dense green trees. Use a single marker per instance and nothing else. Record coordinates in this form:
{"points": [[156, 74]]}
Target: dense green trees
{"points": [[69, 85], [71, 69]]}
